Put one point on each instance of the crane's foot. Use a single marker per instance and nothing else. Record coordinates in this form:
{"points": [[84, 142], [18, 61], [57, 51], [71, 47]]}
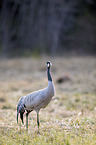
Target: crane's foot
{"points": [[38, 132]]}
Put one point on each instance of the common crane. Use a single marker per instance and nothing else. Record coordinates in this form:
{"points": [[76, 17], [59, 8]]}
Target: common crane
{"points": [[36, 100]]}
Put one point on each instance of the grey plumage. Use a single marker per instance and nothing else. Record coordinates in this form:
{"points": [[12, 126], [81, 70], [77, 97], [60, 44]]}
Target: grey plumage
{"points": [[36, 100]]}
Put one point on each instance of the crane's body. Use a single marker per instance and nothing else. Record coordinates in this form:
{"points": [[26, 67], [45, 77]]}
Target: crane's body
{"points": [[36, 100], [39, 99]]}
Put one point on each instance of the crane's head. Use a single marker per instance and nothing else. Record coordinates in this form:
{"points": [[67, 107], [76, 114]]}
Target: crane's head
{"points": [[48, 64], [20, 109]]}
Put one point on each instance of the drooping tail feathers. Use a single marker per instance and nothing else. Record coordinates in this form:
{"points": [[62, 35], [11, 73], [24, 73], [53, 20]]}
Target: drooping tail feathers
{"points": [[20, 108]]}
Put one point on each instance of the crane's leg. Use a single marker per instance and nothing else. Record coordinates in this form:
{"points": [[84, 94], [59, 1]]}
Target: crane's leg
{"points": [[27, 121], [38, 120], [17, 117]]}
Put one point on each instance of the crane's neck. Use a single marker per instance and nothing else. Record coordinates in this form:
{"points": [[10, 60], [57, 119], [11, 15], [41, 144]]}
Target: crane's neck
{"points": [[49, 74], [50, 88]]}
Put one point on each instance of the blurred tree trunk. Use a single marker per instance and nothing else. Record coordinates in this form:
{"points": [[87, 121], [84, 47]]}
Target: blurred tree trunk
{"points": [[5, 29]]}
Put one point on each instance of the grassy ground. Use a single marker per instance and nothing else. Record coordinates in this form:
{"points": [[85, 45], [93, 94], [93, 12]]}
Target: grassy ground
{"points": [[69, 119]]}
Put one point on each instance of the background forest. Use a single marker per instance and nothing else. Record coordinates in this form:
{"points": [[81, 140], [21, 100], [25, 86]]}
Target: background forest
{"points": [[33, 32], [47, 26]]}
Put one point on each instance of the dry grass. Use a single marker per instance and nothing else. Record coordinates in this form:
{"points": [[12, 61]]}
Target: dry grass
{"points": [[70, 118]]}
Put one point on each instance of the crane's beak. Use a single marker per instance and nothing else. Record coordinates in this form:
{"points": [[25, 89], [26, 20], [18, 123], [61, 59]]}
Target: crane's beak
{"points": [[50, 64]]}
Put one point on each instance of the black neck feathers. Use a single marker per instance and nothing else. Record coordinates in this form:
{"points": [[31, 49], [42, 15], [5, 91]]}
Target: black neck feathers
{"points": [[49, 74]]}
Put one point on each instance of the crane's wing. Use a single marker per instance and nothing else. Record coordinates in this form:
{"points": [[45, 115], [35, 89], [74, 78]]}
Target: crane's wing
{"points": [[34, 99]]}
